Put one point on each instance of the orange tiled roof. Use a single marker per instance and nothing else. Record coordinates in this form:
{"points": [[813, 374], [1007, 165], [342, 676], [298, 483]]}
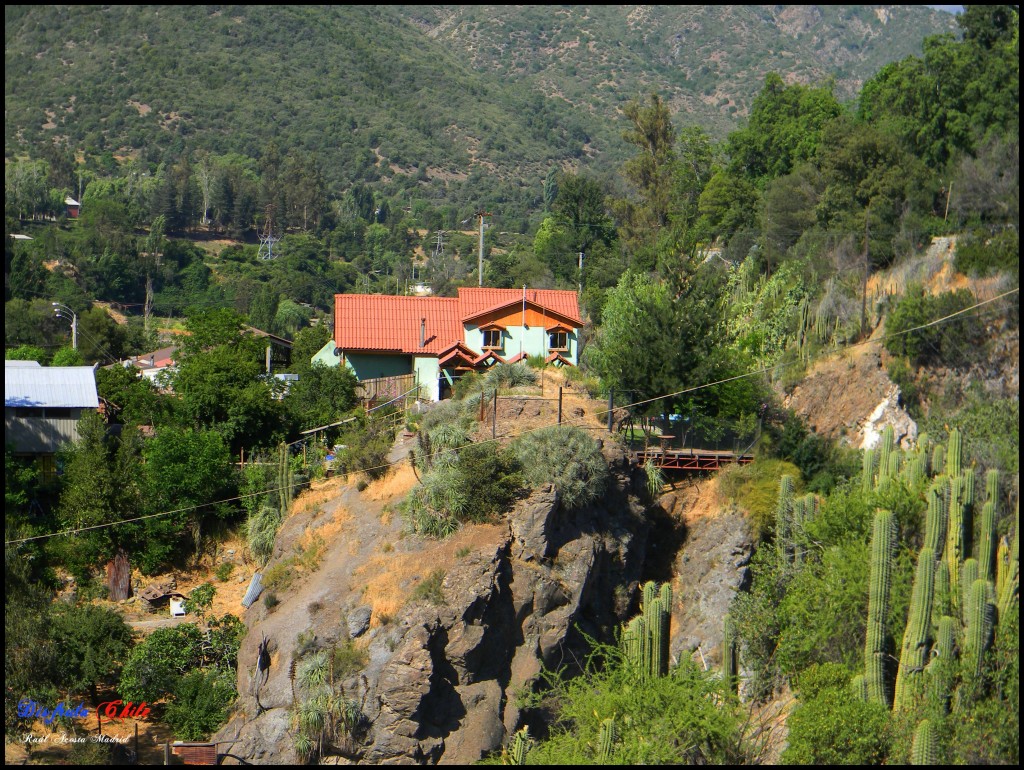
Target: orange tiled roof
{"points": [[475, 301], [388, 323]]}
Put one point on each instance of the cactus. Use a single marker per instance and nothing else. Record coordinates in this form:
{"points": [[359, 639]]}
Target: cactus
{"points": [[968, 574], [989, 516], [859, 687], [987, 540], [938, 460], [968, 488], [935, 522], [925, 749], [645, 639], [655, 618], [1010, 585], [942, 669], [885, 445], [979, 624], [954, 453], [634, 644], [867, 481], [784, 517], [730, 665], [943, 592], [519, 746], [606, 740], [915, 636], [882, 549], [666, 597], [955, 536]]}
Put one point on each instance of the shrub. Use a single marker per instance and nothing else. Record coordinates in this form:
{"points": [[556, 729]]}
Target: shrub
{"points": [[201, 703], [957, 342], [837, 728], [979, 255], [683, 718], [224, 571], [567, 457], [348, 659], [270, 600], [201, 599]]}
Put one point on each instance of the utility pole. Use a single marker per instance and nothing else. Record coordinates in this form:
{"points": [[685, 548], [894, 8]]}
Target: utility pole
{"points": [[480, 266], [867, 268], [581, 271]]}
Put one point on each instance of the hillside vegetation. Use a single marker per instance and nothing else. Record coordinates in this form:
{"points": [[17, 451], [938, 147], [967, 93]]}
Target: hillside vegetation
{"points": [[714, 272]]}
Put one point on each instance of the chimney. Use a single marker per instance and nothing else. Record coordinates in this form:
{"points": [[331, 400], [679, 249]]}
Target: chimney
{"points": [[423, 331]]}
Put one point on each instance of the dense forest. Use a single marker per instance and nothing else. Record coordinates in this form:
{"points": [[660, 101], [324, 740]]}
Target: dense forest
{"points": [[706, 258]]}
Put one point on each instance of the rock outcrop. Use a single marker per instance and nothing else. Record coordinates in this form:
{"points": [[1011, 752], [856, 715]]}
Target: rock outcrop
{"points": [[440, 683]]}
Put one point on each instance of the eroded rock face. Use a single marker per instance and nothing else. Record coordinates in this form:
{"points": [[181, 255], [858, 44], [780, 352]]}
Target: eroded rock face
{"points": [[441, 682]]}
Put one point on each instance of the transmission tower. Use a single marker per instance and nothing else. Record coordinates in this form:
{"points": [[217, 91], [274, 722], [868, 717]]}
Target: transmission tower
{"points": [[267, 238]]}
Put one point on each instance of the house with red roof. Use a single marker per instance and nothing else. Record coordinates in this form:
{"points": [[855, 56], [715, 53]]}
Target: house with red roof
{"points": [[438, 339]]}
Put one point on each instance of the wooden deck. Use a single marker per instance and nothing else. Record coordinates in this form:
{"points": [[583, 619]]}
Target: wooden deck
{"points": [[690, 459]]}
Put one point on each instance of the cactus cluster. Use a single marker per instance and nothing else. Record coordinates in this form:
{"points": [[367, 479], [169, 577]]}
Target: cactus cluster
{"points": [[645, 639], [957, 599]]}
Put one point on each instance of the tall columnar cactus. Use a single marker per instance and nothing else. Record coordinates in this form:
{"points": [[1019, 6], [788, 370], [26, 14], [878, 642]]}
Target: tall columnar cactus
{"points": [[606, 740], [634, 644], [954, 551], [987, 541], [941, 670], [968, 487], [992, 486], [987, 534], [916, 469], [730, 662], [915, 636], [968, 574], [784, 517], [859, 687], [935, 522], [943, 601], [645, 639], [867, 471], [885, 452], [656, 619], [938, 460], [894, 465], [979, 624], [882, 550], [519, 746], [1009, 586], [925, 748], [954, 453]]}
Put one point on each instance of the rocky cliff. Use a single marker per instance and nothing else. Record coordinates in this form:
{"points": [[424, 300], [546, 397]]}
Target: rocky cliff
{"points": [[440, 676]]}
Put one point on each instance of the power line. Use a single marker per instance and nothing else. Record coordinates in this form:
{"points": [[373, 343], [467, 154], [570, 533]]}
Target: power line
{"points": [[385, 466]]}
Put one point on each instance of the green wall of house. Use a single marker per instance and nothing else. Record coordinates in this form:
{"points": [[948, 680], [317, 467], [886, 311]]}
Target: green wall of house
{"points": [[326, 355], [367, 366]]}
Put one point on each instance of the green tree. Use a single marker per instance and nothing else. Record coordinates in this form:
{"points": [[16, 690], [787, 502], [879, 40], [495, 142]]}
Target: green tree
{"points": [[91, 643]]}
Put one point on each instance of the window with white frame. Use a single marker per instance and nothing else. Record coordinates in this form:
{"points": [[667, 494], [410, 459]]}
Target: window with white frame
{"points": [[492, 339], [558, 340]]}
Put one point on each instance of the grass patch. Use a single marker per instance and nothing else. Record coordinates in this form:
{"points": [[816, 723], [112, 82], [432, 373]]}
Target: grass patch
{"points": [[429, 589], [754, 488], [347, 659]]}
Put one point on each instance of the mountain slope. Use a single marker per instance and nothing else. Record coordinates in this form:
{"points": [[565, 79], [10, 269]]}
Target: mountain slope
{"points": [[709, 61]]}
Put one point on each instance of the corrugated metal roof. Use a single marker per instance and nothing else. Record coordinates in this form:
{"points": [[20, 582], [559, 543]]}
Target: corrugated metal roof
{"points": [[21, 363], [474, 301], [50, 386], [254, 590], [388, 323]]}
